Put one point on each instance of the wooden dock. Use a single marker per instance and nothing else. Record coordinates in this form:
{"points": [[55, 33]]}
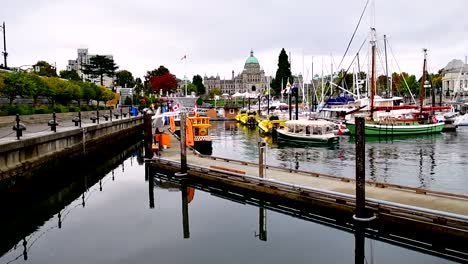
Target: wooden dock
{"points": [[437, 217]]}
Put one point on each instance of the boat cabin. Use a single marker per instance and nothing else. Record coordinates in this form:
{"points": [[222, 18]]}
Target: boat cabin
{"points": [[310, 127]]}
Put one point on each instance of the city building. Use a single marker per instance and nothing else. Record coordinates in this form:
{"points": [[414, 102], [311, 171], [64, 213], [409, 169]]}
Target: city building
{"points": [[455, 77], [252, 79], [78, 65]]}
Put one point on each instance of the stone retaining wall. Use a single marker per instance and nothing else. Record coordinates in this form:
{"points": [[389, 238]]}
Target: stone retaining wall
{"points": [[18, 158]]}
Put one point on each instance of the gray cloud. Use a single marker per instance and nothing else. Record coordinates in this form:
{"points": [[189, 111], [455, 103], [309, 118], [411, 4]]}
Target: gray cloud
{"points": [[217, 36]]}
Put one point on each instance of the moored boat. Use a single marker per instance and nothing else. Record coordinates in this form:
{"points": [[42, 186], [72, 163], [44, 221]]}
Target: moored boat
{"points": [[397, 127], [250, 119], [242, 112], [272, 122], [317, 132], [200, 126]]}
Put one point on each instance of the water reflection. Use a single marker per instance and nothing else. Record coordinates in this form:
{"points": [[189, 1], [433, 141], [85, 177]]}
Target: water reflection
{"points": [[34, 213], [395, 160], [361, 232]]}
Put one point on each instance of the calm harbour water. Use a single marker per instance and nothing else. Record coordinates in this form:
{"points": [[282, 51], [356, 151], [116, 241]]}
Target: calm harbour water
{"points": [[112, 222], [435, 162]]}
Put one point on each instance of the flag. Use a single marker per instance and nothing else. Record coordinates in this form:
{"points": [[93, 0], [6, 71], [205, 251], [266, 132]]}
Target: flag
{"points": [[340, 131], [184, 57], [195, 109], [175, 107]]}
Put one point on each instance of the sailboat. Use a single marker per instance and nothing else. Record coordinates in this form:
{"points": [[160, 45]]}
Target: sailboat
{"points": [[412, 123]]}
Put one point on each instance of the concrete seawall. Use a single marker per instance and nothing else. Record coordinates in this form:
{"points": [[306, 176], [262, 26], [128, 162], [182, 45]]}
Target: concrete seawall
{"points": [[21, 158]]}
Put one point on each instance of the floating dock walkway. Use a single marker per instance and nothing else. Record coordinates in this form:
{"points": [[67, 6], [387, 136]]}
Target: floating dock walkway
{"points": [[431, 216]]}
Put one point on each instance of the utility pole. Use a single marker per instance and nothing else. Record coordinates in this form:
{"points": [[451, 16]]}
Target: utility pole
{"points": [[5, 53]]}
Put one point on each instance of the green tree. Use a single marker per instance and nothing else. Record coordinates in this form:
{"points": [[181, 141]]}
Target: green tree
{"points": [[62, 94], [17, 84], [2, 82], [138, 87], [74, 90], [214, 91], [198, 82], [191, 88], [88, 91], [39, 88], [125, 79], [70, 75], [100, 66], [105, 95], [128, 100], [45, 69], [283, 74]]}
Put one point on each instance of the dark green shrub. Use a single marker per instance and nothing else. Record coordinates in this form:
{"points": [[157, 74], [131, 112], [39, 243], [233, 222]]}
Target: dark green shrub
{"points": [[73, 109]]}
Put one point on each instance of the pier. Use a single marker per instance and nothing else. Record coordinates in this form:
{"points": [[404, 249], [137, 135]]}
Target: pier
{"points": [[438, 218]]}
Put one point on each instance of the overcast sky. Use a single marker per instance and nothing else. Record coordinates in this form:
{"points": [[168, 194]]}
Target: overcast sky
{"points": [[217, 36]]}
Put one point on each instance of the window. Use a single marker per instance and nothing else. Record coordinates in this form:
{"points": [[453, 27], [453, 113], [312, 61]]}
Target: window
{"points": [[231, 111]]}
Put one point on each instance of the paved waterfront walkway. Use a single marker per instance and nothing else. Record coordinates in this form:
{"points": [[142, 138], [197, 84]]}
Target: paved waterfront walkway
{"points": [[7, 134], [407, 197]]}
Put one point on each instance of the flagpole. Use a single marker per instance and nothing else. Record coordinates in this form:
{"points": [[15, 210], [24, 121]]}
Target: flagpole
{"points": [[185, 74]]}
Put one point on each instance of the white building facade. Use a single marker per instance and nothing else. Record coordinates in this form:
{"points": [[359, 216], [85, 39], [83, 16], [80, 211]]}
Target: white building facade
{"points": [[83, 59], [455, 78]]}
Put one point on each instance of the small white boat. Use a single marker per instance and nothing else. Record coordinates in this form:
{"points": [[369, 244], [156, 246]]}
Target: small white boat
{"points": [[317, 132]]}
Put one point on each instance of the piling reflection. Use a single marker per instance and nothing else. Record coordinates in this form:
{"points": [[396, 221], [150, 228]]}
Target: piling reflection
{"points": [[262, 222], [362, 231], [185, 212]]}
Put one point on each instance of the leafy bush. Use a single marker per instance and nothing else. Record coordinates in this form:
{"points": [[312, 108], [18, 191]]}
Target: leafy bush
{"points": [[73, 109]]}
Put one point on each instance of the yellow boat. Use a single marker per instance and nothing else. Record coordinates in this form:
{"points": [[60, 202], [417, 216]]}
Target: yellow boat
{"points": [[272, 122], [201, 136], [242, 112], [250, 119]]}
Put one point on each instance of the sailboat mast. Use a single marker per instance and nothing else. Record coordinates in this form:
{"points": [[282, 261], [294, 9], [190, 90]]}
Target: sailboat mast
{"points": [[331, 75], [389, 90], [372, 73], [423, 79]]}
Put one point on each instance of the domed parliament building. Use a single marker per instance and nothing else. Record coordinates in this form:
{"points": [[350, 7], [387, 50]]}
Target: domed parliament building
{"points": [[252, 79]]}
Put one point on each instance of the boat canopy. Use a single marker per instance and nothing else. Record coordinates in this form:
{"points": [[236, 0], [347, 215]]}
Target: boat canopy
{"points": [[340, 100]]}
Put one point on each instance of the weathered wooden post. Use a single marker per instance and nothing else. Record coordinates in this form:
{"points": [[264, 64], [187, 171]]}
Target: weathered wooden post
{"points": [[183, 146], [261, 150], [97, 114], [289, 106], [148, 134], [360, 214]]}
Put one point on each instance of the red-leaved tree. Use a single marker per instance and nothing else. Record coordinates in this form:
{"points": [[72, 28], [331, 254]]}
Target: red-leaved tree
{"points": [[166, 82]]}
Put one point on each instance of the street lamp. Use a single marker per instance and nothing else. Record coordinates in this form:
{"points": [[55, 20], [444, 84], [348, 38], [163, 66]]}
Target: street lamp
{"points": [[4, 52]]}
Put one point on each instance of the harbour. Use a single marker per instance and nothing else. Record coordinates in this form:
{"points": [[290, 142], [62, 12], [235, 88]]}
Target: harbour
{"points": [[151, 216]]}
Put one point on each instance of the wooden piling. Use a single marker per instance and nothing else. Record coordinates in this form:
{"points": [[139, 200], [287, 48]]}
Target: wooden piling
{"points": [[360, 168], [148, 135], [261, 150], [183, 146]]}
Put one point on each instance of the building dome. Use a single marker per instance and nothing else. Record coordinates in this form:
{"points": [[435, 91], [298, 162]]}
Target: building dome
{"points": [[251, 59]]}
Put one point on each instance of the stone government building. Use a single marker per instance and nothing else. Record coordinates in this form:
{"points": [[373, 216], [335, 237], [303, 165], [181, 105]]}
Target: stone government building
{"points": [[455, 77], [252, 79]]}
